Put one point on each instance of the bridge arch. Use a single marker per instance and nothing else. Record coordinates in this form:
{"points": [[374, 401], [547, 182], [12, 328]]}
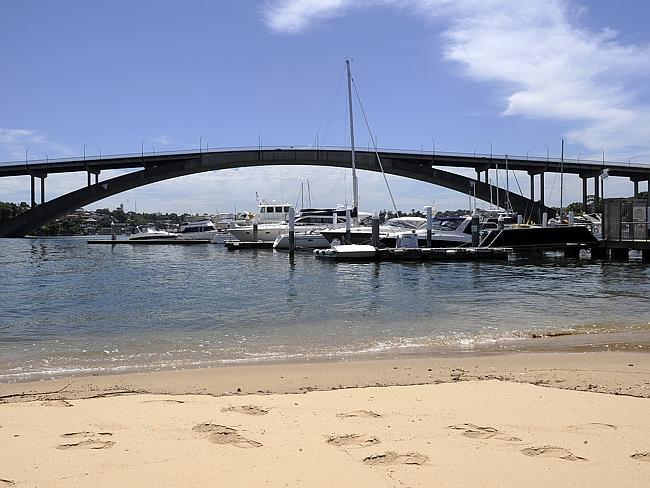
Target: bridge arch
{"points": [[183, 165]]}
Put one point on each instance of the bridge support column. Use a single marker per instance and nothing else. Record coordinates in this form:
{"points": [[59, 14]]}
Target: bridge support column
{"points": [[532, 186], [96, 177], [43, 189], [584, 193], [596, 194], [88, 172], [541, 188], [33, 200]]}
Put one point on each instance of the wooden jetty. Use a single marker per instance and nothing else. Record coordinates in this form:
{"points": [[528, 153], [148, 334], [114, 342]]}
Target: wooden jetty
{"points": [[237, 245], [137, 242]]}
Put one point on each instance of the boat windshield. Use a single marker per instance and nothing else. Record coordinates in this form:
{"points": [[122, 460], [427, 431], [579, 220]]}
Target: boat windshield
{"points": [[447, 224]]}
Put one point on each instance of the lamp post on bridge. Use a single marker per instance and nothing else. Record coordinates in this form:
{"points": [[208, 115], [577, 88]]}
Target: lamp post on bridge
{"points": [[85, 151], [200, 144], [475, 148], [433, 151]]}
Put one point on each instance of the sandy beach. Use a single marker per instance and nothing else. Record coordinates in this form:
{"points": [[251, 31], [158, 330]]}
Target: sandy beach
{"points": [[554, 419]]}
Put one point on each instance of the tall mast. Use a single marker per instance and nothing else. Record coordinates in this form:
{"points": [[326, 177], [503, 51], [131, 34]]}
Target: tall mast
{"points": [[562, 182], [355, 185]]}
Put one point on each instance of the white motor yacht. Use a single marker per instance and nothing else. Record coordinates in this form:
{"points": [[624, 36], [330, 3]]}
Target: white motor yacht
{"points": [[147, 232], [200, 229]]}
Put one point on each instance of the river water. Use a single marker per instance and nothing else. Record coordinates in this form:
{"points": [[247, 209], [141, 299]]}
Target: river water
{"points": [[67, 307]]}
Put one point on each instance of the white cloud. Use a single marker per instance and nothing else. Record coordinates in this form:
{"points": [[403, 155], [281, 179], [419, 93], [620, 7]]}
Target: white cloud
{"points": [[14, 142], [162, 140], [548, 64]]}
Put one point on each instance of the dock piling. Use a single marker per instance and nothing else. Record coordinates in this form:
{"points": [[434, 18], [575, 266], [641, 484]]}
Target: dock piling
{"points": [[475, 229], [292, 233], [348, 226], [375, 230], [429, 212]]}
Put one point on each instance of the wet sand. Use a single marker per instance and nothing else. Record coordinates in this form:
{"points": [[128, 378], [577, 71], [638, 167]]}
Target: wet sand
{"points": [[560, 419]]}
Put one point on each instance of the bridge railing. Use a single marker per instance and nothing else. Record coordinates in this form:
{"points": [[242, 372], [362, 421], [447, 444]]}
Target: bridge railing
{"points": [[423, 152]]}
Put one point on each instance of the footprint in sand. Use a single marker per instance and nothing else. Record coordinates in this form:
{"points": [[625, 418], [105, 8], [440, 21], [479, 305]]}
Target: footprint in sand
{"points": [[478, 432], [552, 451], [391, 458], [352, 440], [4, 482], [247, 409], [641, 456], [87, 444], [56, 403], [84, 434], [220, 434], [88, 440], [591, 427], [368, 414], [163, 401]]}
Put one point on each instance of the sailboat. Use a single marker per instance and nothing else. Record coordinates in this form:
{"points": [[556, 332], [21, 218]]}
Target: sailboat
{"points": [[350, 251]]}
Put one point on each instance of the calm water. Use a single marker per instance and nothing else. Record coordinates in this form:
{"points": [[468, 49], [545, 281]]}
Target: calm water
{"points": [[69, 307]]}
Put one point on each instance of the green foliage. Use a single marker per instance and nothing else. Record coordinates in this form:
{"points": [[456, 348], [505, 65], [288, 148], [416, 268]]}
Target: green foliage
{"points": [[575, 207]]}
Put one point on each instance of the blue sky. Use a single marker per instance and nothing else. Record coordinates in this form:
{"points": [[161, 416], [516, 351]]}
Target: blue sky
{"points": [[465, 72]]}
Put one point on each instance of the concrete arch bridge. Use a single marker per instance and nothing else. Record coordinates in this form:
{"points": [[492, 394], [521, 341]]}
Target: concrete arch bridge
{"points": [[158, 167]]}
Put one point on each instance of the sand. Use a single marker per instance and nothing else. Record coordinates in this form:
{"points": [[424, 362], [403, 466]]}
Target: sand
{"points": [[508, 420]]}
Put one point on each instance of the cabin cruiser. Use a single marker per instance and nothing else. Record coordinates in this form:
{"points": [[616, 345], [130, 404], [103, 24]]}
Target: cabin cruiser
{"points": [[200, 229], [149, 232], [363, 234]]}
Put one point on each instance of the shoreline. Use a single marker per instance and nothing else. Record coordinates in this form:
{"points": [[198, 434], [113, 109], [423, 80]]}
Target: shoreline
{"points": [[611, 372], [505, 421], [632, 339]]}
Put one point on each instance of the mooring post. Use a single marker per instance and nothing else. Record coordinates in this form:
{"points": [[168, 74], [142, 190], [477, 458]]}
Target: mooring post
{"points": [[544, 219], [113, 236], [475, 228], [292, 233], [254, 230], [348, 225], [375, 230], [429, 212]]}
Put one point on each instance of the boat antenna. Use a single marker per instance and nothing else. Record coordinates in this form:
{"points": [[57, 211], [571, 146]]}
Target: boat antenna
{"points": [[355, 184]]}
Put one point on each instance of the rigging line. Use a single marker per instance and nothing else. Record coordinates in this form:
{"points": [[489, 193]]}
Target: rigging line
{"points": [[374, 144], [326, 121], [553, 184], [521, 193]]}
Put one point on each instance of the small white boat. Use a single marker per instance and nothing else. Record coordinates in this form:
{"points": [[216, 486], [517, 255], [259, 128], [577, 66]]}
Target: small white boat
{"points": [[143, 232], [303, 240], [347, 251], [222, 237]]}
